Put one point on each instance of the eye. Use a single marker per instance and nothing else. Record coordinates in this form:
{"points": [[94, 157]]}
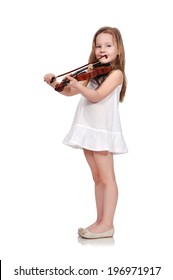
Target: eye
{"points": [[98, 46]]}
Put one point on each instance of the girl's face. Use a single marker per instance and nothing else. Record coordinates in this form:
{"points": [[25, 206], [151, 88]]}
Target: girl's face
{"points": [[106, 45]]}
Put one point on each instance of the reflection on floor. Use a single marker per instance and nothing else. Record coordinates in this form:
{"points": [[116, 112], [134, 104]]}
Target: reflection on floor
{"points": [[96, 242]]}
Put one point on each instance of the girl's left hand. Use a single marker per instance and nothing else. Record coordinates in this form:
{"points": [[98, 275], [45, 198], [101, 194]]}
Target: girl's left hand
{"points": [[47, 78]]}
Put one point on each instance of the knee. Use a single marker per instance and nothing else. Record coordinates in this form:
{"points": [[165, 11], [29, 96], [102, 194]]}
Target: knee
{"points": [[107, 180], [103, 179], [100, 179], [96, 178]]}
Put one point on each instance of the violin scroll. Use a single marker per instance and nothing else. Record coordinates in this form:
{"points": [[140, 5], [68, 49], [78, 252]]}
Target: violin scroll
{"points": [[60, 86]]}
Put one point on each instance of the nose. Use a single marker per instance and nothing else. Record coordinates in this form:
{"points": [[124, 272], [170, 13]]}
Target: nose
{"points": [[102, 49]]}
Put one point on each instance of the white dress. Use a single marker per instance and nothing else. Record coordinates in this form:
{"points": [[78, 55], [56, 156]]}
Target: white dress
{"points": [[97, 126]]}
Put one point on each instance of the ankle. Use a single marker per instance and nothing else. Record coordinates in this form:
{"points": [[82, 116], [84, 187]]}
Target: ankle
{"points": [[106, 225]]}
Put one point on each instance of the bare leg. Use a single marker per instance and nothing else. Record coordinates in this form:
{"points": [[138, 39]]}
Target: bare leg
{"points": [[99, 188], [105, 165], [102, 167]]}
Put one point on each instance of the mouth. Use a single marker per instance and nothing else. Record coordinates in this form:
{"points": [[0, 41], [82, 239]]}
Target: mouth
{"points": [[104, 59], [103, 56]]}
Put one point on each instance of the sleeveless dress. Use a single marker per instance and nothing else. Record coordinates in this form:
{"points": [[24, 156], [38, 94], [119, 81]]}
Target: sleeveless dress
{"points": [[97, 126]]}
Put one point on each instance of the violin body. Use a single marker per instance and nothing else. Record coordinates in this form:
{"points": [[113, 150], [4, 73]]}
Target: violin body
{"points": [[87, 75]]}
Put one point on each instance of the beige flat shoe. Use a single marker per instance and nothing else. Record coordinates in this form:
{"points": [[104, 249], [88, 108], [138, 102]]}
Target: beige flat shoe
{"points": [[91, 235], [80, 230]]}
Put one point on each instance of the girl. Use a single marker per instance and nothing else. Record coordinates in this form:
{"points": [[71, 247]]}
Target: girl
{"points": [[96, 127]]}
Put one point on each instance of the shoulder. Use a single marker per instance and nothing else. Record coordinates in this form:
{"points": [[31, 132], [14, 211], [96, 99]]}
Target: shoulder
{"points": [[116, 75], [113, 80]]}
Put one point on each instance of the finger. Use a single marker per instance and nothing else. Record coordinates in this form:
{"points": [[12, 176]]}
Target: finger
{"points": [[70, 78], [52, 79]]}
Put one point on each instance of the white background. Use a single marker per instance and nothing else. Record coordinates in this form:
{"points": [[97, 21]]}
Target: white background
{"points": [[46, 190]]}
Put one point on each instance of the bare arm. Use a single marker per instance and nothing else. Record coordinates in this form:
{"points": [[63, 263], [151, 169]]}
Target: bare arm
{"points": [[68, 90], [112, 81]]}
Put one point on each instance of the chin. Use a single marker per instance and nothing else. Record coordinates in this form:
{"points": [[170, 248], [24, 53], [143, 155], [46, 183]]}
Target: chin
{"points": [[104, 60]]}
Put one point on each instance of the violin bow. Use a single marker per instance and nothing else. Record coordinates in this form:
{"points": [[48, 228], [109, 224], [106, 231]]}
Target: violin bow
{"points": [[82, 68]]}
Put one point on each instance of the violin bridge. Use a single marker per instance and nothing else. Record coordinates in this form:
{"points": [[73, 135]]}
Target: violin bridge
{"points": [[90, 67]]}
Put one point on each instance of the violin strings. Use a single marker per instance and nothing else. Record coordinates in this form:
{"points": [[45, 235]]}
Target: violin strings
{"points": [[93, 63]]}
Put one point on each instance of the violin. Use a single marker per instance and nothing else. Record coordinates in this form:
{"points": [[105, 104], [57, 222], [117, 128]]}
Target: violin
{"points": [[92, 70], [95, 72]]}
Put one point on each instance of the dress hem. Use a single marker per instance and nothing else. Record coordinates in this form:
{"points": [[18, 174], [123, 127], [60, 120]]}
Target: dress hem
{"points": [[80, 137]]}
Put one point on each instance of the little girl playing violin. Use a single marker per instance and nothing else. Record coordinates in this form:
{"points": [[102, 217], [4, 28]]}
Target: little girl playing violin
{"points": [[96, 127]]}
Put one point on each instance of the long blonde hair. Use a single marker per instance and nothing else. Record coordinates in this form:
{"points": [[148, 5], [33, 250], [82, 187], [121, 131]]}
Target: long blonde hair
{"points": [[119, 62]]}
